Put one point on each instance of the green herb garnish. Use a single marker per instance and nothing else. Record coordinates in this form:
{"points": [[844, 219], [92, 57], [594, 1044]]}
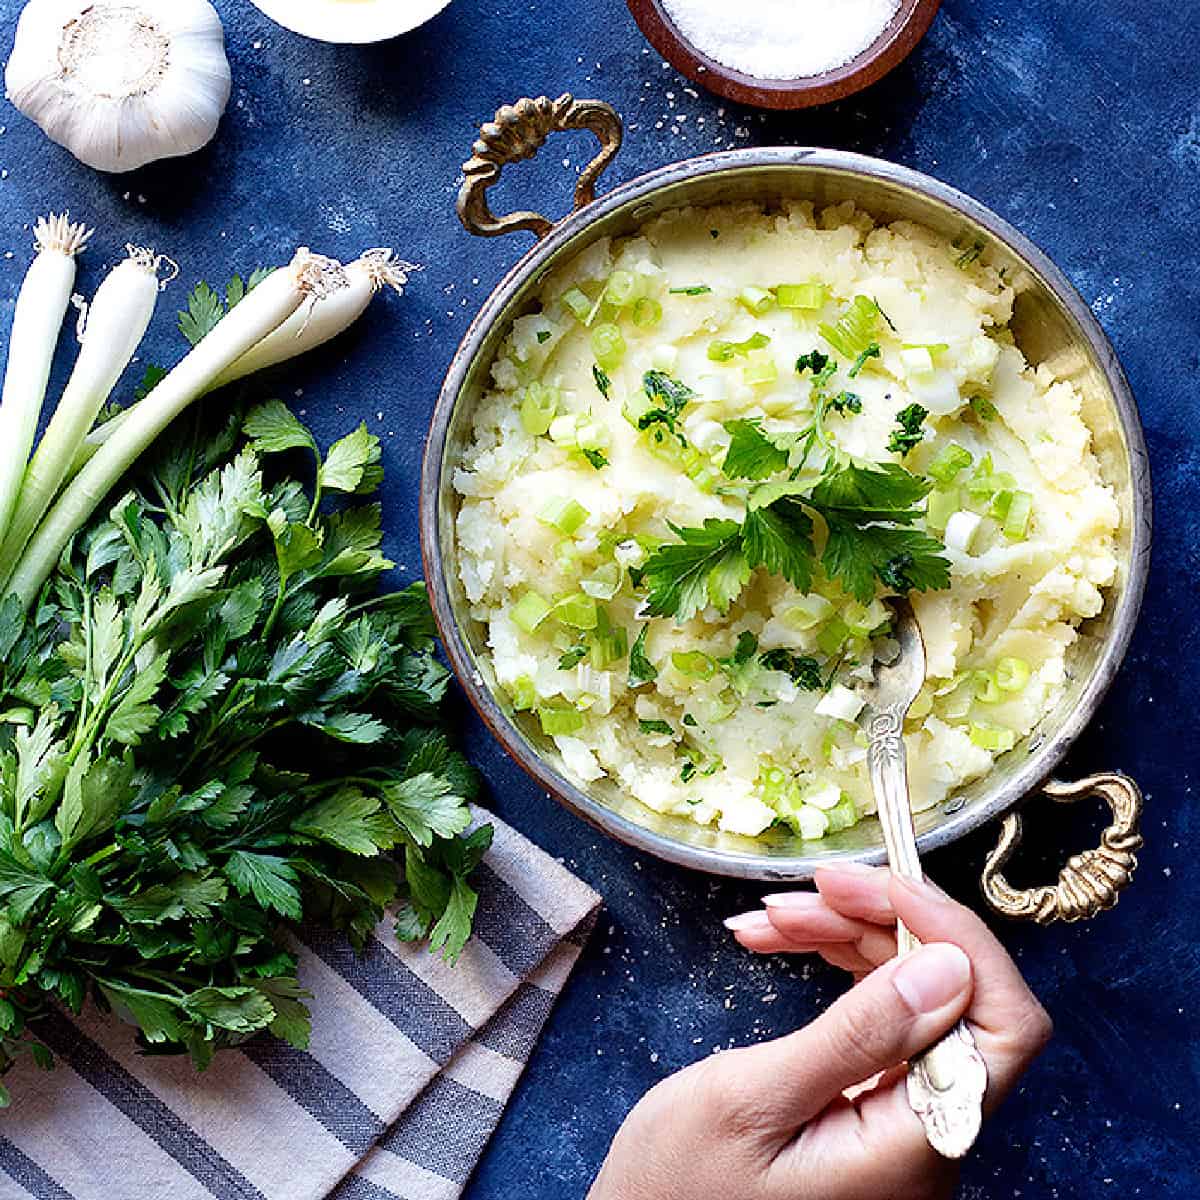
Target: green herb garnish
{"points": [[910, 429], [802, 670], [670, 395], [641, 669], [603, 382], [656, 727]]}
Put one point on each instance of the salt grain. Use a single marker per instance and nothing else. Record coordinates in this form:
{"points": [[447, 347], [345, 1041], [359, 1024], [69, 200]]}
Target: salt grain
{"points": [[781, 39]]}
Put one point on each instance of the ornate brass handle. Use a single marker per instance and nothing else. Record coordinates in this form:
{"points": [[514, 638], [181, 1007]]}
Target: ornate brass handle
{"points": [[519, 131], [1091, 881]]}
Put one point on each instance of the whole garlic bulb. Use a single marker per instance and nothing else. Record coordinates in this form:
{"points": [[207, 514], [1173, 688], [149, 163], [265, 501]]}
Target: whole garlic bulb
{"points": [[118, 83]]}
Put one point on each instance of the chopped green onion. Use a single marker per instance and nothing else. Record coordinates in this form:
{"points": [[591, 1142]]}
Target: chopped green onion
{"points": [[564, 514], [934, 349], [699, 469], [620, 288], [647, 312], [833, 637], [523, 693], [985, 482], [843, 815], [603, 583], [556, 721], [562, 431], [1016, 521], [854, 330], [983, 408], [538, 408], [916, 360], [590, 434], [756, 300], [808, 612], [608, 346], [760, 370], [809, 296], [578, 611], [697, 289], [949, 463], [1012, 674], [577, 304], [530, 611], [992, 737], [695, 664], [986, 688], [719, 351], [922, 706], [609, 642], [941, 506]]}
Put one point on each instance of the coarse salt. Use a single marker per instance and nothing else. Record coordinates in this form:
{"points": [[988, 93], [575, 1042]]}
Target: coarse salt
{"points": [[781, 39]]}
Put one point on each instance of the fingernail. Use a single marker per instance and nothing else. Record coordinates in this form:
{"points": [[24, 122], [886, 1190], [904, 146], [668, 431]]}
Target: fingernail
{"points": [[929, 978], [750, 920], [848, 868], [794, 900], [923, 887]]}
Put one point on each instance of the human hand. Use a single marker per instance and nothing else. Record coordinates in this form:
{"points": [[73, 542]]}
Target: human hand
{"points": [[772, 1122]]}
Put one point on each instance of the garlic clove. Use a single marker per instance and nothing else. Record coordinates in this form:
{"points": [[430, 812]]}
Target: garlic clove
{"points": [[121, 83]]}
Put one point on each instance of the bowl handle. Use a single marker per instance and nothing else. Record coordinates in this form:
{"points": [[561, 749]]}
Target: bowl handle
{"points": [[519, 131], [1091, 881]]}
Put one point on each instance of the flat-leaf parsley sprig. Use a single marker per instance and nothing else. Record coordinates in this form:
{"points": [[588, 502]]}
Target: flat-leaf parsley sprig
{"points": [[866, 514]]}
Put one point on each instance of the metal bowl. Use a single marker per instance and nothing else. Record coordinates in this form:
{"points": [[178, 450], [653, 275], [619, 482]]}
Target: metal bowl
{"points": [[1052, 324]]}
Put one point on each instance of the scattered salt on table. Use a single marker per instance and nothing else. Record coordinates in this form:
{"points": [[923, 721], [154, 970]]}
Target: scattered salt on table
{"points": [[781, 39]]}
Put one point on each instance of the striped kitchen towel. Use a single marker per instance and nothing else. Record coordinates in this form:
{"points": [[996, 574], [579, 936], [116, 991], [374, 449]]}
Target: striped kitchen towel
{"points": [[409, 1069]]}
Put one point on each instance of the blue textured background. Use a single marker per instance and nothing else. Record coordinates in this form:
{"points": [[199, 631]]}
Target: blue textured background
{"points": [[1079, 121]]}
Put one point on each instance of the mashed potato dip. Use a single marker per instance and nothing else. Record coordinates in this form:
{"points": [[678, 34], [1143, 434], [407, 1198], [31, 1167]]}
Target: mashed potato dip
{"points": [[709, 458]]}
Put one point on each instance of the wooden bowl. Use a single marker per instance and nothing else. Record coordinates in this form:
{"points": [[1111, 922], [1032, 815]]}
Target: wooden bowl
{"points": [[889, 49]]}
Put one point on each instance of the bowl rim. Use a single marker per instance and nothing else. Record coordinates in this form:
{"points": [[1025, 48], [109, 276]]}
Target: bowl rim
{"points": [[1041, 762], [895, 42], [361, 23]]}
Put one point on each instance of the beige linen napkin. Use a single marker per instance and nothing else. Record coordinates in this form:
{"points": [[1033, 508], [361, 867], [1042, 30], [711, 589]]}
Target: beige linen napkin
{"points": [[409, 1069]]}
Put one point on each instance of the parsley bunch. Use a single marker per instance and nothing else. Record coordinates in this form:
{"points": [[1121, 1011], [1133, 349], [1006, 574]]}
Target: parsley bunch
{"points": [[213, 724]]}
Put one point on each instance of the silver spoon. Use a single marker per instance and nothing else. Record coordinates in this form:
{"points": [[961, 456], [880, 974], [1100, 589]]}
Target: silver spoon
{"points": [[946, 1083]]}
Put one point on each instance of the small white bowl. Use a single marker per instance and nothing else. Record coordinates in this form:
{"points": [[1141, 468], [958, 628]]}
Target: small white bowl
{"points": [[350, 20]]}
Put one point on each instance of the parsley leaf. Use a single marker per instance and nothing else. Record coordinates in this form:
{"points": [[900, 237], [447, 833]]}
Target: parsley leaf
{"points": [[707, 566], [909, 431], [802, 670], [352, 464], [603, 382], [655, 727], [670, 395], [596, 458], [872, 351], [204, 310], [641, 669], [780, 538], [751, 453]]}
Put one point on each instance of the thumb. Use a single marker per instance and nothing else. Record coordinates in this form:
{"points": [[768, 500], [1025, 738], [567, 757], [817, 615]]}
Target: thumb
{"points": [[898, 1010]]}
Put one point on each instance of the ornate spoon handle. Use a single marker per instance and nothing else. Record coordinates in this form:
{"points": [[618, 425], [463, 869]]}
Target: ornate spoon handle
{"points": [[946, 1084]]}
